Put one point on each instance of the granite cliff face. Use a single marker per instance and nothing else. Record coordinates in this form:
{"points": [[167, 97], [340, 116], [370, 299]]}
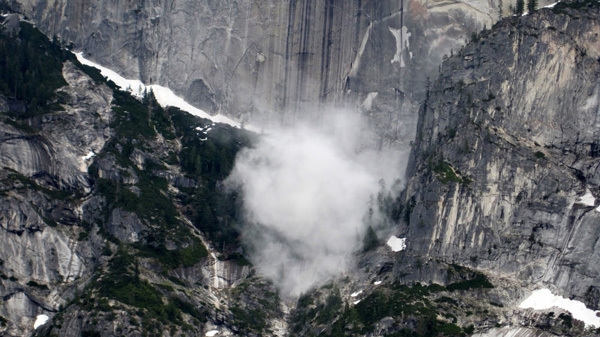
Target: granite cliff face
{"points": [[505, 166], [43, 261], [501, 196], [115, 222], [276, 61], [98, 216]]}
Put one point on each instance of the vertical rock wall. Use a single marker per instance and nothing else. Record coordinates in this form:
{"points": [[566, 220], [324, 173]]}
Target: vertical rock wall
{"points": [[43, 258], [275, 61], [506, 165]]}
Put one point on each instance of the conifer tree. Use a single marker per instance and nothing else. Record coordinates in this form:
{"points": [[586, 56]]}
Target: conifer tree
{"points": [[370, 241], [520, 7], [531, 5]]}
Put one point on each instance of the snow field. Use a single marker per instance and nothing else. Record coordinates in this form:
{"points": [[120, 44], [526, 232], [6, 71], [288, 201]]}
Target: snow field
{"points": [[40, 320], [164, 96], [396, 244], [543, 299]]}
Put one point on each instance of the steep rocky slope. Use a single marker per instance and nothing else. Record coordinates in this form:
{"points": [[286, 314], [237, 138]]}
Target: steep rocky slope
{"points": [[276, 61], [501, 194], [114, 219], [111, 207], [505, 166]]}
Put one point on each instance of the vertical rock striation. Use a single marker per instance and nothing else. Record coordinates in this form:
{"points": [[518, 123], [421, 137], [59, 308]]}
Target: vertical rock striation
{"points": [[42, 258], [275, 61], [506, 161]]}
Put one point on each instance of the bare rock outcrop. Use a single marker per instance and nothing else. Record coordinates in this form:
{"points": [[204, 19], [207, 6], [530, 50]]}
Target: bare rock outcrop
{"points": [[43, 257], [272, 62], [506, 162]]}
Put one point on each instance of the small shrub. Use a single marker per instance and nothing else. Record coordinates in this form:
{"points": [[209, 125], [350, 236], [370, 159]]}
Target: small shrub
{"points": [[480, 281], [37, 285], [469, 329], [446, 173], [90, 333], [566, 319], [446, 299]]}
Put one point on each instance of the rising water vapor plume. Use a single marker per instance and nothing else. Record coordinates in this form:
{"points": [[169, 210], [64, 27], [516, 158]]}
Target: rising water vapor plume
{"points": [[306, 191]]}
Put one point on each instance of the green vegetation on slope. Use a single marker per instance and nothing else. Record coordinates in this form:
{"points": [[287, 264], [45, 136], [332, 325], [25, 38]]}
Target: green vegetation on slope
{"points": [[415, 310], [155, 166], [209, 157], [402, 303], [31, 71], [136, 125]]}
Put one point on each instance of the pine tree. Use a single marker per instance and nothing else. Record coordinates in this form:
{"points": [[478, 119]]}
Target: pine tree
{"points": [[370, 241], [531, 5], [520, 7]]}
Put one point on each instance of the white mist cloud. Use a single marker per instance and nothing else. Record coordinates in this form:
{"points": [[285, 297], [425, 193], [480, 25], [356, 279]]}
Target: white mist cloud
{"points": [[306, 191]]}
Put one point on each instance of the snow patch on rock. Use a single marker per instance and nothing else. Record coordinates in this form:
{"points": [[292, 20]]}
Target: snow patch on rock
{"points": [[396, 244], [544, 299], [368, 102], [40, 320], [164, 96], [551, 5], [401, 36], [587, 199], [86, 161], [90, 155]]}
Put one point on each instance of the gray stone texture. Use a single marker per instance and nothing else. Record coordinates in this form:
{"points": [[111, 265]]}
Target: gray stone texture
{"points": [[514, 116], [271, 62]]}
